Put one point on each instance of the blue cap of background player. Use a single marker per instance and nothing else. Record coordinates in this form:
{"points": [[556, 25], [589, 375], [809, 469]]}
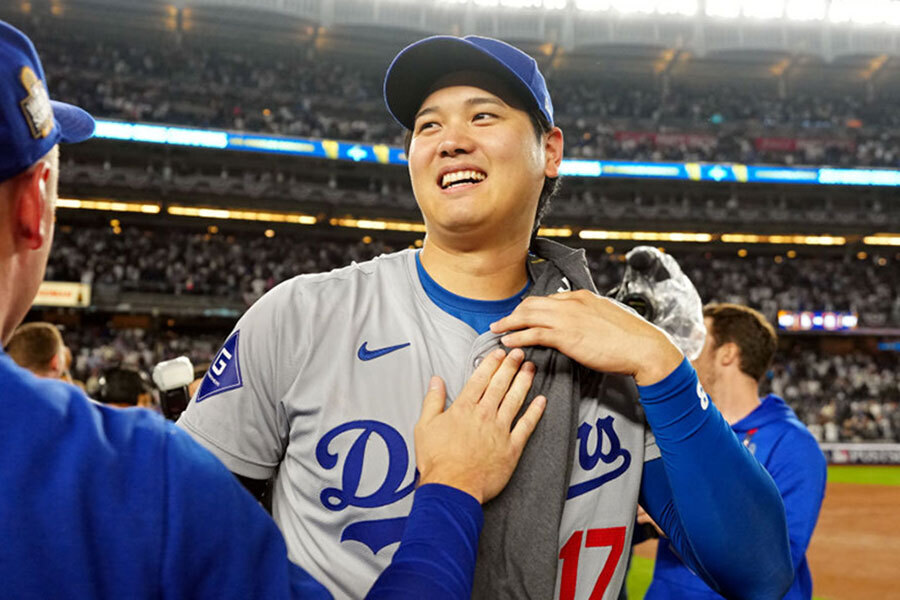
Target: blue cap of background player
{"points": [[416, 69], [30, 123]]}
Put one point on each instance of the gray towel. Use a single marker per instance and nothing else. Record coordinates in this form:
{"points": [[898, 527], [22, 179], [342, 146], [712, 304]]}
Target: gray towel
{"points": [[517, 554]]}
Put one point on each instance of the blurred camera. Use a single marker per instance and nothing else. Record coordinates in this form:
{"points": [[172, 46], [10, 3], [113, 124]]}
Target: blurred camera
{"points": [[643, 270], [172, 378]]}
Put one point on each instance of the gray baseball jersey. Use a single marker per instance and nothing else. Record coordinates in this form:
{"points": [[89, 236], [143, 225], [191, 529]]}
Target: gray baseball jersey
{"points": [[321, 383]]}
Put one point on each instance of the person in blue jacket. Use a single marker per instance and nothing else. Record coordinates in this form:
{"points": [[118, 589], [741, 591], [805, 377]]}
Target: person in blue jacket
{"points": [[100, 502], [740, 345]]}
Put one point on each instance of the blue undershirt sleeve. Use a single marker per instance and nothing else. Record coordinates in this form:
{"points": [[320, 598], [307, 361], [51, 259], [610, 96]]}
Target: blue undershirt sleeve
{"points": [[717, 504], [436, 557]]}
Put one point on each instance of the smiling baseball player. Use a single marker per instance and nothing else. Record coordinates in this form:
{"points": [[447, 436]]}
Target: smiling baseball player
{"points": [[321, 381]]}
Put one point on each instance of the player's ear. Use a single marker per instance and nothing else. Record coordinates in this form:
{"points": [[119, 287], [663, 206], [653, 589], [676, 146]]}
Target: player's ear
{"points": [[553, 152], [30, 200]]}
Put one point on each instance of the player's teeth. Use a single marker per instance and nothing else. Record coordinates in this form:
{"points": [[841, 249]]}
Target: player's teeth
{"points": [[451, 178]]}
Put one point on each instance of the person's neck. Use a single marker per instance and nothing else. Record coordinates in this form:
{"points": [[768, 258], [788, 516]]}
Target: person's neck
{"points": [[7, 326], [492, 273], [736, 396]]}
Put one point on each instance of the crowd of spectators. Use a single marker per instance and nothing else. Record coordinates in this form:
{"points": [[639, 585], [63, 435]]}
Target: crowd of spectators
{"points": [[841, 398], [242, 266], [306, 94], [167, 261]]}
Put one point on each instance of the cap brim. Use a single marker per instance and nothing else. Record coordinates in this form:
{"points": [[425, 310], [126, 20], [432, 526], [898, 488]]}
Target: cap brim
{"points": [[415, 70], [75, 124]]}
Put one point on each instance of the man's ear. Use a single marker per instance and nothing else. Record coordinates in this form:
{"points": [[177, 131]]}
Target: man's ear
{"points": [[729, 353], [553, 151], [54, 364], [30, 203]]}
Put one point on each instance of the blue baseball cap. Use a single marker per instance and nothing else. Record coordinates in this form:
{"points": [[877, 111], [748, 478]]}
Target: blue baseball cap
{"points": [[416, 69], [30, 123]]}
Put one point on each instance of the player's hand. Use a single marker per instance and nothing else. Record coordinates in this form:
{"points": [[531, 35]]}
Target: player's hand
{"points": [[473, 445], [593, 331]]}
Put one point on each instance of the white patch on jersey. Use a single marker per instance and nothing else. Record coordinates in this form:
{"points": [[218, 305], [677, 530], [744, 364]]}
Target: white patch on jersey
{"points": [[565, 287]]}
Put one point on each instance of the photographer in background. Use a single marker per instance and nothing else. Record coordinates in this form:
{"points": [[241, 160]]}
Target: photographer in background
{"points": [[124, 387]]}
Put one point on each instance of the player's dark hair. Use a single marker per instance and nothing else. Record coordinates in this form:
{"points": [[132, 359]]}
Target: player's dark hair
{"points": [[551, 184], [749, 330]]}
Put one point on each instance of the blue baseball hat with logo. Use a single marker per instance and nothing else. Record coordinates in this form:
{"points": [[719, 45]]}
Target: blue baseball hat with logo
{"points": [[30, 123], [416, 69]]}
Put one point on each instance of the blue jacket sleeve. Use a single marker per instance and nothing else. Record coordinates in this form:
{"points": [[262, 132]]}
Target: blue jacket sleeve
{"points": [[801, 482], [718, 505], [218, 542], [436, 557]]}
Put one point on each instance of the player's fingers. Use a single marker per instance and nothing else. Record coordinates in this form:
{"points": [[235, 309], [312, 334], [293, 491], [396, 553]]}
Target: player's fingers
{"points": [[501, 381], [516, 394], [527, 422], [481, 378], [435, 399], [533, 336], [533, 311]]}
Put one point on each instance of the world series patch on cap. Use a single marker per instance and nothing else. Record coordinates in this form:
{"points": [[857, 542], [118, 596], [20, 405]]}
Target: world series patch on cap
{"points": [[30, 123]]}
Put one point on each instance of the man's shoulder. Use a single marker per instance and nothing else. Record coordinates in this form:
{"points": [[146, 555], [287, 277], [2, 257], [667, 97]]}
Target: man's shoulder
{"points": [[44, 414], [386, 267], [790, 438]]}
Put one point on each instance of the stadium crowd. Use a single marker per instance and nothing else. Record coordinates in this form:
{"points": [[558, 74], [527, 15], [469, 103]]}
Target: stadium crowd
{"points": [[317, 97], [842, 398], [242, 266]]}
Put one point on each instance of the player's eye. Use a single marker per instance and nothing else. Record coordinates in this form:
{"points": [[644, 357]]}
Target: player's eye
{"points": [[425, 125], [482, 116]]}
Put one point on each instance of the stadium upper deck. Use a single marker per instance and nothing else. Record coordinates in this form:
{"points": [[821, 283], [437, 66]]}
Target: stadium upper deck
{"points": [[626, 97]]}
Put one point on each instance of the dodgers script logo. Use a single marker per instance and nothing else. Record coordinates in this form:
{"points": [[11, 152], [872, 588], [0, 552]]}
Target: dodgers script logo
{"points": [[588, 460], [378, 533]]}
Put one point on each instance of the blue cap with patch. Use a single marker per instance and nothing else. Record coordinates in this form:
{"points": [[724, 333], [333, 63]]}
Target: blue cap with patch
{"points": [[417, 67], [30, 123]]}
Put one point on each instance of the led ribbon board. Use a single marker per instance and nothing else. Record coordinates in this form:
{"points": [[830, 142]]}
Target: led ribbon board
{"points": [[388, 155], [817, 320]]}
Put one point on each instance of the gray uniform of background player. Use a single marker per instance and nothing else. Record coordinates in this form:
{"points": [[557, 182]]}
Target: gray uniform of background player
{"points": [[301, 378]]}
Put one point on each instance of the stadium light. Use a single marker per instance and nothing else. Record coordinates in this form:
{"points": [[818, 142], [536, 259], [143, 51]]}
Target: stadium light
{"points": [[882, 239], [864, 12], [686, 8], [805, 240], [592, 5], [726, 9], [763, 9], [554, 232], [379, 224], [627, 7], [645, 236], [806, 10], [206, 212], [109, 205]]}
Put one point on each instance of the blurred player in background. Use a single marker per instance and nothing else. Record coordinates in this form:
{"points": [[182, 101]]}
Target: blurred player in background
{"points": [[98, 502], [39, 348], [740, 345], [319, 383]]}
